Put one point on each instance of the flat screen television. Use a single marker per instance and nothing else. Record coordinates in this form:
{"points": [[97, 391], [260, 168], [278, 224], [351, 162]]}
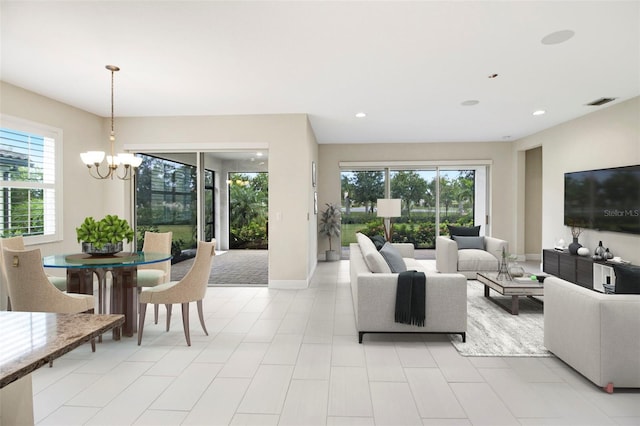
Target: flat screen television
{"points": [[604, 199]]}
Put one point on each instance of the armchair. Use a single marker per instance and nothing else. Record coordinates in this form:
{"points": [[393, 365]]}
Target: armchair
{"points": [[468, 262]]}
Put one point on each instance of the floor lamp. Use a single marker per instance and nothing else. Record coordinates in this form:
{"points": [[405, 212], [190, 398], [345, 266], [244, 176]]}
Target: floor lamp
{"points": [[387, 209]]}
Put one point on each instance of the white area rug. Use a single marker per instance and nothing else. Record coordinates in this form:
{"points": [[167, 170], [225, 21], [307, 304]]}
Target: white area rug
{"points": [[492, 331]]}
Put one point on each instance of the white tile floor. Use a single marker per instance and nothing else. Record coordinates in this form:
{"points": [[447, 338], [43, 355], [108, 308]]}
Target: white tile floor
{"points": [[292, 358]]}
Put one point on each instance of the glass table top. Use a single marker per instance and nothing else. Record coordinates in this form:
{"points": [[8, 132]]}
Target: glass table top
{"points": [[83, 260]]}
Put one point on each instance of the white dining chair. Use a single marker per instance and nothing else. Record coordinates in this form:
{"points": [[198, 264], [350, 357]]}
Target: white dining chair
{"points": [[17, 243], [191, 288], [31, 291], [154, 274]]}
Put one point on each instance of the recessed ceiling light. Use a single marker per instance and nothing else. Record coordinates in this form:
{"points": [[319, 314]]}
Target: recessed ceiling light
{"points": [[557, 37], [361, 115], [470, 102], [539, 112], [259, 154]]}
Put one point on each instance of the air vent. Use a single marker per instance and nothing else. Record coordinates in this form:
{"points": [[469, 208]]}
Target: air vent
{"points": [[601, 101]]}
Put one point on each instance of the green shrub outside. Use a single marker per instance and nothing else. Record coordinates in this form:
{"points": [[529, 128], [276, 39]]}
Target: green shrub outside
{"points": [[251, 235], [421, 233]]}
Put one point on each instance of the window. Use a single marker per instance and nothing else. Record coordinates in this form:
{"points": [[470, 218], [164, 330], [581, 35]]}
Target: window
{"points": [[433, 196], [31, 186]]}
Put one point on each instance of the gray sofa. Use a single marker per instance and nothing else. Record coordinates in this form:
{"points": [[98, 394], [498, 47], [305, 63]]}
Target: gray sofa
{"points": [[468, 262], [374, 296], [597, 334]]}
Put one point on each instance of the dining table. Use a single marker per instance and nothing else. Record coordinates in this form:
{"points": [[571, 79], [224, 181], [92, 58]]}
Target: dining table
{"points": [[123, 266]]}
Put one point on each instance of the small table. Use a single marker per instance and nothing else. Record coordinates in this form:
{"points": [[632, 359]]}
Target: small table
{"points": [[33, 339], [123, 267], [515, 288]]}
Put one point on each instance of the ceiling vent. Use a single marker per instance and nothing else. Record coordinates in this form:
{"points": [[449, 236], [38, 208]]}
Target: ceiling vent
{"points": [[601, 101]]}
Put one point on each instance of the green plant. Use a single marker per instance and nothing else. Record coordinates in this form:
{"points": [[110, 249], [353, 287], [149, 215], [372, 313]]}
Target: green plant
{"points": [[110, 229], [329, 225]]}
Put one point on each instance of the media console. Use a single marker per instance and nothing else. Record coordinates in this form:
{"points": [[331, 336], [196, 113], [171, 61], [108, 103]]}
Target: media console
{"points": [[583, 271]]}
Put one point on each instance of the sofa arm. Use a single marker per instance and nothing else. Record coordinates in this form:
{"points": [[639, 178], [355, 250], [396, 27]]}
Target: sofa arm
{"points": [[405, 249], [495, 246], [446, 255], [594, 333]]}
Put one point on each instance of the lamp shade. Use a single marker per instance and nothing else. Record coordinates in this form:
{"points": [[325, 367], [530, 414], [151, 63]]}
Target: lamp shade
{"points": [[389, 207]]}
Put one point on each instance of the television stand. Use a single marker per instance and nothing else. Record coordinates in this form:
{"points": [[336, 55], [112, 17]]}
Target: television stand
{"points": [[583, 271]]}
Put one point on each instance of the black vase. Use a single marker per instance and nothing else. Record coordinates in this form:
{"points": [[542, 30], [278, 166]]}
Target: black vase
{"points": [[574, 246]]}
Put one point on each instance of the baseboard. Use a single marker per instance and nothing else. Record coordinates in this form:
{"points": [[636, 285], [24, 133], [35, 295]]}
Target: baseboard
{"points": [[288, 284], [533, 256]]}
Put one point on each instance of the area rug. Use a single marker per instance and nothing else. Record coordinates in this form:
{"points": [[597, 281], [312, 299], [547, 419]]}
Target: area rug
{"points": [[492, 331]]}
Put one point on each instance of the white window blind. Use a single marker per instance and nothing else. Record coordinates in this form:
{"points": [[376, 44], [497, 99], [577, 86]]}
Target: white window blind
{"points": [[30, 189]]}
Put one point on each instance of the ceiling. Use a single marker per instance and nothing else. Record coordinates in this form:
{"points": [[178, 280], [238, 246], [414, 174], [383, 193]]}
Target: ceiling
{"points": [[408, 65]]}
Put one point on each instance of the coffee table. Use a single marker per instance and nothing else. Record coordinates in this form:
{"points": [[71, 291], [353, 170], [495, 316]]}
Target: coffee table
{"points": [[515, 288]]}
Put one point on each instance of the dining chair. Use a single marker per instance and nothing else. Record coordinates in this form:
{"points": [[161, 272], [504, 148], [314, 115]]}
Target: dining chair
{"points": [[191, 288], [31, 291], [154, 274], [17, 243]]}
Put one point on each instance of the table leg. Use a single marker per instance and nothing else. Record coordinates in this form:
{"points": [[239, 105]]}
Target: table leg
{"points": [[515, 305], [486, 291], [80, 281], [124, 297]]}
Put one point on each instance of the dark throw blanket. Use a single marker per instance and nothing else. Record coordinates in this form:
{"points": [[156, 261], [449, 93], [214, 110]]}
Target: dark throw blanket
{"points": [[410, 298]]}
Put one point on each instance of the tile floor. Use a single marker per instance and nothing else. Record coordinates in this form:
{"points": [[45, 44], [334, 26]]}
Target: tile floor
{"points": [[292, 358]]}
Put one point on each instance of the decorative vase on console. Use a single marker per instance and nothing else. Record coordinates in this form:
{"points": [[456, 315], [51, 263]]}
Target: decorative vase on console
{"points": [[574, 246], [607, 255], [598, 253], [575, 233]]}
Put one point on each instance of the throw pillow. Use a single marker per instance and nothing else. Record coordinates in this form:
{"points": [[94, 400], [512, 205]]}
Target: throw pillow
{"points": [[365, 243], [469, 242], [376, 263], [627, 279], [379, 241], [464, 231], [393, 257]]}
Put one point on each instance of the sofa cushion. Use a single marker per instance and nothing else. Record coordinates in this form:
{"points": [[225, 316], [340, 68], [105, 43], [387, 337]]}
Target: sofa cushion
{"points": [[627, 279], [365, 243], [376, 263], [393, 258], [476, 260], [464, 231], [372, 257], [378, 241], [465, 243]]}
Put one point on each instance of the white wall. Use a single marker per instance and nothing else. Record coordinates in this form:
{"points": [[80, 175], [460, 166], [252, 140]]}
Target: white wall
{"points": [[609, 137]]}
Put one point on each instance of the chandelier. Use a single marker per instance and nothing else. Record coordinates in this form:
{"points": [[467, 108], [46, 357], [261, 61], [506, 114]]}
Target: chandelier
{"points": [[93, 159]]}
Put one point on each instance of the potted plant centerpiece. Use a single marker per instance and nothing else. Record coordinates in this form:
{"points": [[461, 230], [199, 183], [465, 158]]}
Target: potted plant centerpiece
{"points": [[104, 236], [329, 226]]}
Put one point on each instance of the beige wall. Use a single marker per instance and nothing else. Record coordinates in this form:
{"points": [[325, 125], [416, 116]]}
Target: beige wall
{"points": [[82, 196], [609, 137], [289, 138], [291, 146], [502, 185], [533, 204]]}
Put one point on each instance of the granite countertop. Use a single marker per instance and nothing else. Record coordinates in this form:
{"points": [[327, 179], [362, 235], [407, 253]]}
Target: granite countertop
{"points": [[31, 339]]}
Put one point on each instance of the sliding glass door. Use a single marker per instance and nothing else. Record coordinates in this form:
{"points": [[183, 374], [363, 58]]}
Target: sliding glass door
{"points": [[431, 198], [166, 200]]}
